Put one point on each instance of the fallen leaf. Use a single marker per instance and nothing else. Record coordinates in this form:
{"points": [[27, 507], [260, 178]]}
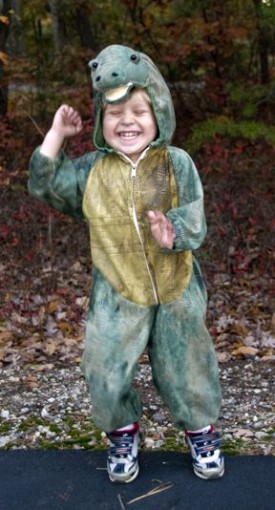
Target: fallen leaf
{"points": [[5, 336], [65, 326], [53, 306], [245, 351], [50, 347]]}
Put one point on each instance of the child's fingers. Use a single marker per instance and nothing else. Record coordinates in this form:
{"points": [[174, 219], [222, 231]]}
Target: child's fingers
{"points": [[155, 216], [68, 119], [68, 113], [151, 216]]}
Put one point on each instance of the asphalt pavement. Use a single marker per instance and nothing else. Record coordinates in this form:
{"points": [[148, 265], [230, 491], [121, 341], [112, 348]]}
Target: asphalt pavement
{"points": [[77, 480]]}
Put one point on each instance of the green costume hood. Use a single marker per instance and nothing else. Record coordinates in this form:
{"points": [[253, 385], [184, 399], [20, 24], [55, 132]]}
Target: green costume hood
{"points": [[117, 66]]}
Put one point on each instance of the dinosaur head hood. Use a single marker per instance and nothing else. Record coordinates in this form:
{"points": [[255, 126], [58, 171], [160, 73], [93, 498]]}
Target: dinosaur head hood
{"points": [[115, 71]]}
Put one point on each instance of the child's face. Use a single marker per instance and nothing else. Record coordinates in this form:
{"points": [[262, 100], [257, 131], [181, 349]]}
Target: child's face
{"points": [[130, 126]]}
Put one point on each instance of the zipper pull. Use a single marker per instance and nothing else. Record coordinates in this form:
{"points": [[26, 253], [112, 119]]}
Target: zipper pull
{"points": [[134, 171]]}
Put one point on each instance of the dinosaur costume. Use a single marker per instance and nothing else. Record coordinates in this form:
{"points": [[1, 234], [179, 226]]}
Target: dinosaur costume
{"points": [[142, 296]]}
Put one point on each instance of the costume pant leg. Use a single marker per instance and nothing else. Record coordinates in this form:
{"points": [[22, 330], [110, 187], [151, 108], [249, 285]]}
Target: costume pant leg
{"points": [[183, 359], [117, 334]]}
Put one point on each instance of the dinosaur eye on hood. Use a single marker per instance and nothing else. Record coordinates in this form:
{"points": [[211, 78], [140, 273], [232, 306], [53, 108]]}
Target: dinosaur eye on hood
{"points": [[93, 65], [135, 57]]}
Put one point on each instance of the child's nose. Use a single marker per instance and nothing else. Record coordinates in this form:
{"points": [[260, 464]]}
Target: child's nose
{"points": [[127, 118]]}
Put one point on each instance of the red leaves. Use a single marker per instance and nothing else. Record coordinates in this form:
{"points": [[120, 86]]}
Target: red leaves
{"points": [[8, 235], [22, 214], [239, 251], [241, 262], [4, 230], [46, 282], [239, 203]]}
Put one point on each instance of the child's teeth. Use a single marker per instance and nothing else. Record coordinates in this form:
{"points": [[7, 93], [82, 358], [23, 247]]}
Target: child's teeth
{"points": [[128, 135]]}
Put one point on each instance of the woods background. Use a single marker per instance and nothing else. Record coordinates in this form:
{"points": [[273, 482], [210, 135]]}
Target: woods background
{"points": [[219, 61]]}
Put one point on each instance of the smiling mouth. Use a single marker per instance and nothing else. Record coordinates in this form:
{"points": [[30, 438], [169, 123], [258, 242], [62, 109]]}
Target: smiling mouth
{"points": [[128, 135]]}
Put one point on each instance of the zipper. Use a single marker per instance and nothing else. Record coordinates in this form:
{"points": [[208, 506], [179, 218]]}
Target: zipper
{"points": [[135, 220]]}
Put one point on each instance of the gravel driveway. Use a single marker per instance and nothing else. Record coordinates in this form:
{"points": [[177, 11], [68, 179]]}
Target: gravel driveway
{"points": [[47, 406]]}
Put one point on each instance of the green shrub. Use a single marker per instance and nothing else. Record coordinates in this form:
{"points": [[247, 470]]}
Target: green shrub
{"points": [[203, 132]]}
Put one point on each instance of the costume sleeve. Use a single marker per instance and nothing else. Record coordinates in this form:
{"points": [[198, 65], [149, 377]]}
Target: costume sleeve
{"points": [[188, 219], [60, 182]]}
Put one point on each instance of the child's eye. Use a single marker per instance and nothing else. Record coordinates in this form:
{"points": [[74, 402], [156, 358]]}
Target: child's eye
{"points": [[140, 111], [114, 113]]}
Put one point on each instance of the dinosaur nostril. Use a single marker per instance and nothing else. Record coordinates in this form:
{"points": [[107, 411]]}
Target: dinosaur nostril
{"points": [[98, 78], [115, 74]]}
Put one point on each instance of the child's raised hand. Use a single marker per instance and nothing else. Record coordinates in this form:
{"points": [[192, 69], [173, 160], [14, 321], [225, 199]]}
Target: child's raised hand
{"points": [[67, 122], [162, 229]]}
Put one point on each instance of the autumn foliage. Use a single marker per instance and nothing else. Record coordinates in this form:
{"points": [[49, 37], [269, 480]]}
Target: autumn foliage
{"points": [[218, 58]]}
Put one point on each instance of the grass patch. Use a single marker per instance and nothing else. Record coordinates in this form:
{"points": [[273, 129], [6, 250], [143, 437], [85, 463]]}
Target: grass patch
{"points": [[172, 444], [84, 443], [4, 428], [234, 446], [31, 422]]}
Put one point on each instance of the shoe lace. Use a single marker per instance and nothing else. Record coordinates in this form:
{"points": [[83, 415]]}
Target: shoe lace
{"points": [[206, 444], [121, 446]]}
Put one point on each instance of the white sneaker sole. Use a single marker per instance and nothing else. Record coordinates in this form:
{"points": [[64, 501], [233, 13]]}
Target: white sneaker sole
{"points": [[124, 478], [210, 474]]}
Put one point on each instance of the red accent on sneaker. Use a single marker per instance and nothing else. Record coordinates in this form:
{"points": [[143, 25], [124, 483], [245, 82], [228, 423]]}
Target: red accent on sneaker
{"points": [[202, 431], [130, 430]]}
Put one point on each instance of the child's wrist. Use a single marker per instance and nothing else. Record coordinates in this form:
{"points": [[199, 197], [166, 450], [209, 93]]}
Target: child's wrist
{"points": [[56, 136], [52, 143]]}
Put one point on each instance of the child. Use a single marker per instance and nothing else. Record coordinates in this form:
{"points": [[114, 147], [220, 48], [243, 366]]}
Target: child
{"points": [[143, 202]]}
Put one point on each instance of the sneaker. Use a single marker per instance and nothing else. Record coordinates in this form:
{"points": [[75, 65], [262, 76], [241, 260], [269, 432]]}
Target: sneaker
{"points": [[208, 460], [122, 461]]}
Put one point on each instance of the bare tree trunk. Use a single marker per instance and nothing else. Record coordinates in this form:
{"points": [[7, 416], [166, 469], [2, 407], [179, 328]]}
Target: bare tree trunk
{"points": [[58, 28], [83, 27], [5, 7], [263, 43], [16, 41]]}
